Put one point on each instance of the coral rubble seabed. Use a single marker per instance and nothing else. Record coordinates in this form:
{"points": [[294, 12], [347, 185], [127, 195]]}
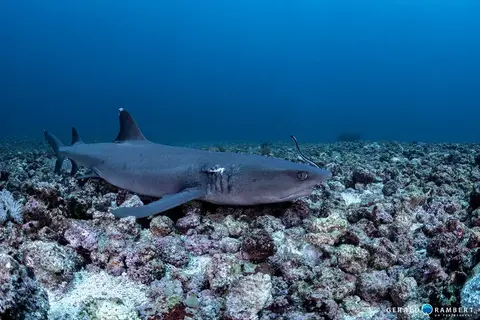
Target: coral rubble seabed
{"points": [[398, 225]]}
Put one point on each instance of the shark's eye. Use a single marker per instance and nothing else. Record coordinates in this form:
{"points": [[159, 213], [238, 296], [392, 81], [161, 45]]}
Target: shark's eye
{"points": [[302, 175]]}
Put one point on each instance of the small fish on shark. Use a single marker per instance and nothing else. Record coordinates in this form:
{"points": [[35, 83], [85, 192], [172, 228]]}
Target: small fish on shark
{"points": [[178, 175]]}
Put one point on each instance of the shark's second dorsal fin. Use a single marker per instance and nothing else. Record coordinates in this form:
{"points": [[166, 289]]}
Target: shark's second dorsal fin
{"points": [[128, 128]]}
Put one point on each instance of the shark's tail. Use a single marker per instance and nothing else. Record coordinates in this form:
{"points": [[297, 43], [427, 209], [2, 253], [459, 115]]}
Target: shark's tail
{"points": [[56, 144]]}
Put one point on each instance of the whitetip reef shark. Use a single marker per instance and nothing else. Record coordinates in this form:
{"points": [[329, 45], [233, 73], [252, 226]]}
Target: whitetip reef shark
{"points": [[178, 175]]}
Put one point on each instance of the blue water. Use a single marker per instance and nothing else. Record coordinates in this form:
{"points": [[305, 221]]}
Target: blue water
{"points": [[250, 70]]}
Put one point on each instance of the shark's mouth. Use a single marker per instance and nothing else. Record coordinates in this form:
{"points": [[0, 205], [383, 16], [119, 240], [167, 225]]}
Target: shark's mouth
{"points": [[301, 193]]}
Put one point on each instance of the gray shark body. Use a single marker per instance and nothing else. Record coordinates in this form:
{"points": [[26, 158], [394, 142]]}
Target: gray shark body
{"points": [[179, 175]]}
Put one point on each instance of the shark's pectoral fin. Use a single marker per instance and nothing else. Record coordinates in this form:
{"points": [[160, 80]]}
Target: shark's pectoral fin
{"points": [[167, 202]]}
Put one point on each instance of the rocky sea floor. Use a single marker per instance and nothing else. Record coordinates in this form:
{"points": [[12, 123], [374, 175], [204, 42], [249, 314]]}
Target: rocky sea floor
{"points": [[398, 226]]}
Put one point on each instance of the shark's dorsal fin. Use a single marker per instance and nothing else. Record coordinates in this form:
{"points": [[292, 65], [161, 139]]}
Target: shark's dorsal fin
{"points": [[128, 128], [75, 137]]}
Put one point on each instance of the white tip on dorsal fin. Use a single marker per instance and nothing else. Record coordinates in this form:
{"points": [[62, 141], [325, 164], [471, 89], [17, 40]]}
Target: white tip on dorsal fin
{"points": [[128, 128]]}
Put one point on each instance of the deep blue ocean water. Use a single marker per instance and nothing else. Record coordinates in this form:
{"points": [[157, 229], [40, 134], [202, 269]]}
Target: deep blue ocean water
{"points": [[250, 70]]}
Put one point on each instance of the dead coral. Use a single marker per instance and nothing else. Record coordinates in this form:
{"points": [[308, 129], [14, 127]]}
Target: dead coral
{"points": [[397, 225]]}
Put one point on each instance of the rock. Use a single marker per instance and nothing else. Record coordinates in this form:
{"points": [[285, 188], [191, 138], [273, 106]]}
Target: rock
{"points": [[352, 259], [327, 230], [230, 245], [52, 264], [235, 228], [374, 286], [198, 244], [161, 225], [335, 284], [389, 188], [223, 270], [21, 297], [404, 290], [248, 296], [363, 176], [143, 264], [477, 160], [470, 294], [80, 235], [258, 246], [98, 296], [132, 202], [359, 309], [172, 250], [188, 222]]}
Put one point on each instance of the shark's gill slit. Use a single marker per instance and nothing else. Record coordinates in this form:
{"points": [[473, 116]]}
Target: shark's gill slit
{"points": [[304, 158]]}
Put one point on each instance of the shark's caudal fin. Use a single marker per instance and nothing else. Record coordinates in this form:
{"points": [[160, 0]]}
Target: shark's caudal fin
{"points": [[129, 130], [56, 144]]}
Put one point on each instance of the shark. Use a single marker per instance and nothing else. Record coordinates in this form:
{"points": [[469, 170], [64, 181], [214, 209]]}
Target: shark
{"points": [[177, 175]]}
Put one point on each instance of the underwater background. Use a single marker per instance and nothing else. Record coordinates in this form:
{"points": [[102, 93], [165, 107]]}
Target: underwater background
{"points": [[213, 71], [391, 231]]}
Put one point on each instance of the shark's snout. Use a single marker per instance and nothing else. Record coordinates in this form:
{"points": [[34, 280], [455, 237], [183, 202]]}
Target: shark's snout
{"points": [[307, 179], [321, 175], [314, 176]]}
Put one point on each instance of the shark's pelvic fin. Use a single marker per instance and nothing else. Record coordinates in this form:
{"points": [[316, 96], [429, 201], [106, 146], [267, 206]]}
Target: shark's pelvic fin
{"points": [[88, 175], [159, 206], [74, 170], [129, 129]]}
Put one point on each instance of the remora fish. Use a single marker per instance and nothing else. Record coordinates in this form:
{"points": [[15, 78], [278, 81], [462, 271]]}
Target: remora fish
{"points": [[178, 175]]}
